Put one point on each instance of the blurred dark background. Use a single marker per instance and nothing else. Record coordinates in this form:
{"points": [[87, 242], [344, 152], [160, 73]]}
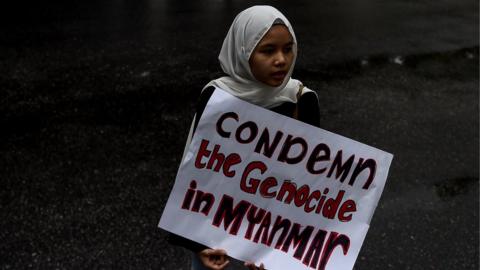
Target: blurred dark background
{"points": [[96, 98]]}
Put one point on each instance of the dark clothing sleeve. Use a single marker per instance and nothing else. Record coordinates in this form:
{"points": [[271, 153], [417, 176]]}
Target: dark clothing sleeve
{"points": [[202, 103], [175, 239], [178, 240], [308, 109]]}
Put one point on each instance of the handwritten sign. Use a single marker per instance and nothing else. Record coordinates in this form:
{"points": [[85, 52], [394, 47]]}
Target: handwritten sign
{"points": [[270, 189]]}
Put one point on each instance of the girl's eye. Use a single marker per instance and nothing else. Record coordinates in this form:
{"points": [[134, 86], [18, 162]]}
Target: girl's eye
{"points": [[287, 49], [267, 50]]}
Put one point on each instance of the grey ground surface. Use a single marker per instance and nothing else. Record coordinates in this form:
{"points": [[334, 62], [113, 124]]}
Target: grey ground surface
{"points": [[96, 100]]}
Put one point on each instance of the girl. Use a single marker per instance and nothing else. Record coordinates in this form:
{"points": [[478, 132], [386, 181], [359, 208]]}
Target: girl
{"points": [[258, 56]]}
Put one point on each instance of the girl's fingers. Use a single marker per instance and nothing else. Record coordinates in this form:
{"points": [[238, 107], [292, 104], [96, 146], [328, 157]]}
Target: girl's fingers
{"points": [[251, 266], [211, 252], [205, 252], [221, 267], [215, 259], [218, 256], [218, 267], [215, 266]]}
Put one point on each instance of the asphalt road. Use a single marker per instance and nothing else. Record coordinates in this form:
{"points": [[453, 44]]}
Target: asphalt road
{"points": [[96, 100]]}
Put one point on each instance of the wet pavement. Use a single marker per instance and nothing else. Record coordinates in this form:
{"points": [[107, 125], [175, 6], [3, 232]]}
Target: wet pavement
{"points": [[96, 100]]}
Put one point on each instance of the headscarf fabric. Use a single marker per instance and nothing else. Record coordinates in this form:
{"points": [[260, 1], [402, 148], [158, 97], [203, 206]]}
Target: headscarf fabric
{"points": [[246, 31]]}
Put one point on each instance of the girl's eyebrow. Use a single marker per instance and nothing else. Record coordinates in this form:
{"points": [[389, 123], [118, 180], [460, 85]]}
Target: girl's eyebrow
{"points": [[273, 45]]}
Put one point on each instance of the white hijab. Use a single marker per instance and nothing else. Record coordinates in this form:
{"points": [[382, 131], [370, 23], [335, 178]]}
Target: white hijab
{"points": [[246, 31]]}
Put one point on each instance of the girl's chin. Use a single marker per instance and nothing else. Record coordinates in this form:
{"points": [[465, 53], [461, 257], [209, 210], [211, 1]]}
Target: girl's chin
{"points": [[274, 82]]}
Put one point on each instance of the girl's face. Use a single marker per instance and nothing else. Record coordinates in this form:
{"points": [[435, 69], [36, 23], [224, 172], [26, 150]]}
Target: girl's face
{"points": [[272, 58]]}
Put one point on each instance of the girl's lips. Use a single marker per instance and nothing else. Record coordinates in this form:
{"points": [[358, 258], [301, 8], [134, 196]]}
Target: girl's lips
{"points": [[279, 75]]}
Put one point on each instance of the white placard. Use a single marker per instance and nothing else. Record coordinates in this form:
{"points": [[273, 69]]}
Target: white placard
{"points": [[271, 189]]}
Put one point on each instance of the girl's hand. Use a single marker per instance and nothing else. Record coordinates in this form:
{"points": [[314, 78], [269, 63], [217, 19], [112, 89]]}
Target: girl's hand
{"points": [[214, 259], [251, 266]]}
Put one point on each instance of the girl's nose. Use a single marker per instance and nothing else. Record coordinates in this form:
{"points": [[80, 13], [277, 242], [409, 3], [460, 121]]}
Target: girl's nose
{"points": [[280, 59]]}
